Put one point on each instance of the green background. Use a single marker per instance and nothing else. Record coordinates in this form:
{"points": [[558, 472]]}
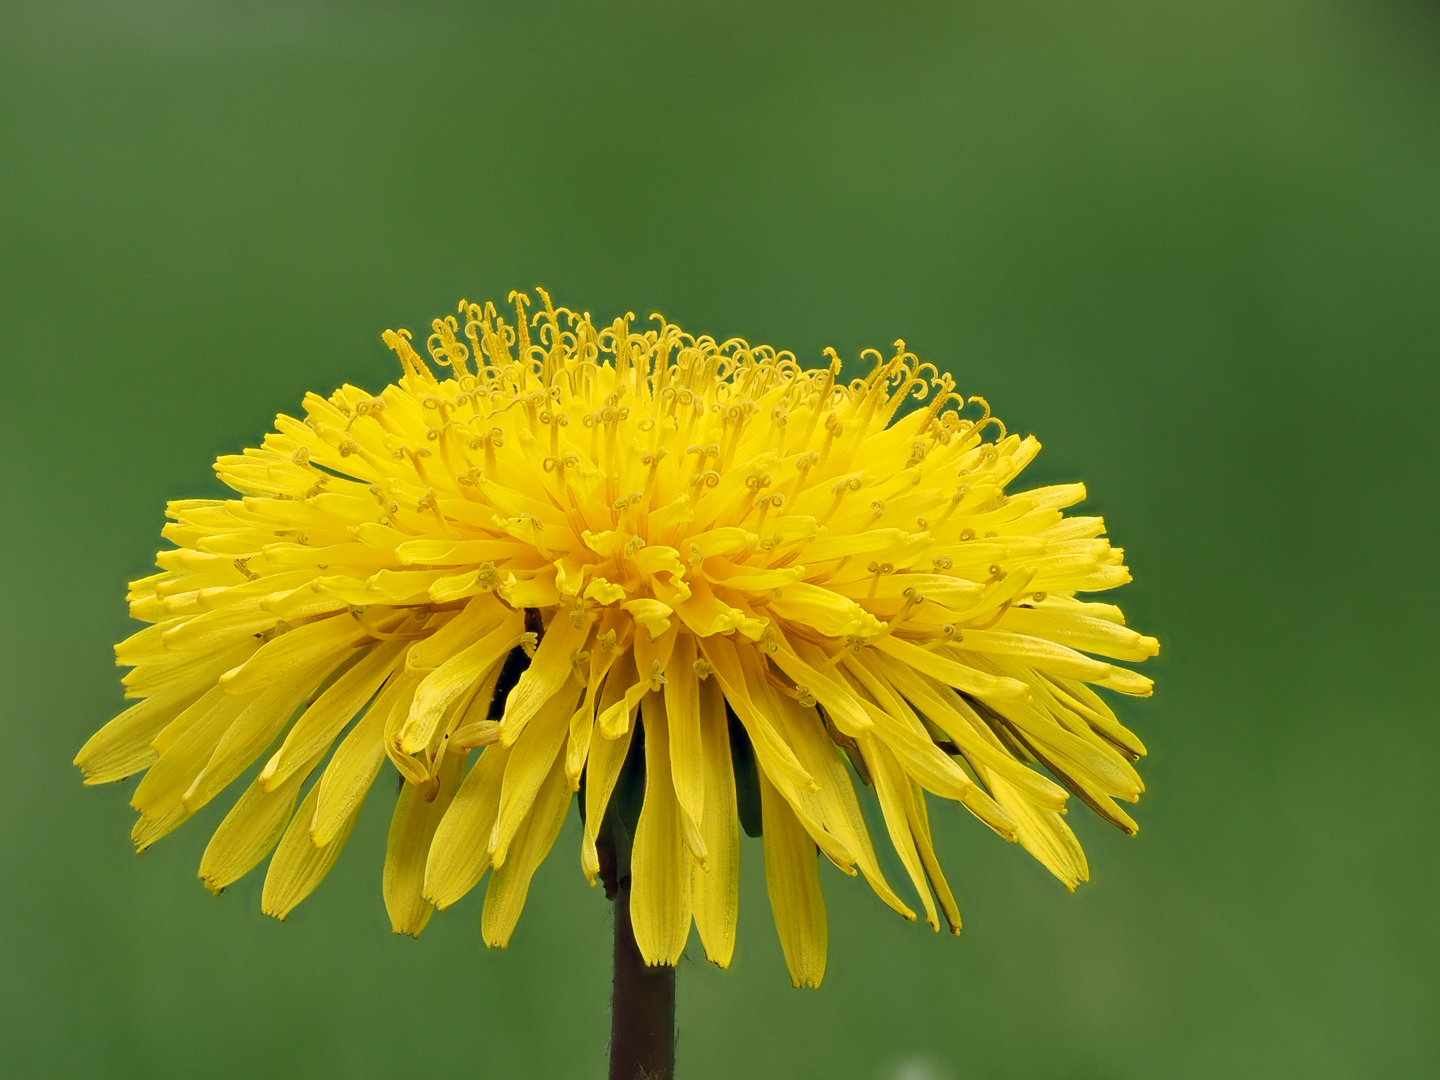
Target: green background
{"points": [[1195, 247]]}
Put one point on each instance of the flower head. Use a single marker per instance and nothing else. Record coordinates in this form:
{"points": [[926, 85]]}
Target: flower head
{"points": [[772, 580]]}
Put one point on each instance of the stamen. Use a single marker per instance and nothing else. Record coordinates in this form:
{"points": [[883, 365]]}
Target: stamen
{"points": [[833, 430], [955, 501], [879, 569], [444, 349], [949, 634], [913, 600], [399, 343], [776, 500], [853, 483], [432, 503]]}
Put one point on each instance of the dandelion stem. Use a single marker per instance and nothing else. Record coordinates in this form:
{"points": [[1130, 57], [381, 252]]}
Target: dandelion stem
{"points": [[642, 1000], [642, 1006]]}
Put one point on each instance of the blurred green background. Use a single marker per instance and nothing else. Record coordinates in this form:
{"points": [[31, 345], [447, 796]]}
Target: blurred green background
{"points": [[1194, 246]]}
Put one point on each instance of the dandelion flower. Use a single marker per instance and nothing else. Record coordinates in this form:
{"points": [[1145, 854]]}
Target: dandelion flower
{"points": [[559, 559]]}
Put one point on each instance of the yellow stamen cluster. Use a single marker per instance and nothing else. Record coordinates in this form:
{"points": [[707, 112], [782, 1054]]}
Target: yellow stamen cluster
{"points": [[699, 539]]}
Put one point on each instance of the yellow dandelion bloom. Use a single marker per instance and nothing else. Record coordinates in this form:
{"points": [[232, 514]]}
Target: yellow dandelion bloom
{"points": [[744, 581]]}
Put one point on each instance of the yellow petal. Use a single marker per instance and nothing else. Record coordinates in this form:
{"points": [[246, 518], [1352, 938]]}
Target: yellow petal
{"points": [[606, 757], [827, 611], [549, 670], [660, 865], [1127, 682], [1037, 652], [841, 703], [263, 718], [951, 673], [217, 630], [454, 552], [122, 747], [1079, 630], [418, 812], [602, 770], [748, 578], [773, 755], [892, 786], [836, 545], [459, 853], [920, 830], [650, 614], [687, 771], [780, 759], [1099, 765], [146, 646], [195, 732], [509, 885], [298, 866], [323, 721], [530, 760], [347, 779], [1043, 833], [715, 889], [605, 592], [839, 808], [623, 690], [953, 715], [292, 654], [1078, 696], [727, 540], [793, 880], [538, 591], [901, 730], [476, 619], [582, 723], [453, 587], [188, 667], [705, 614], [251, 829], [447, 682]]}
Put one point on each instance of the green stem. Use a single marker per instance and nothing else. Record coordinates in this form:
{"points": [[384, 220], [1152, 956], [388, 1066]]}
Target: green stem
{"points": [[642, 999]]}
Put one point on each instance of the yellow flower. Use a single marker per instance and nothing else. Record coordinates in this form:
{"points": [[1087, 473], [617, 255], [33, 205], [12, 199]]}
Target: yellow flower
{"points": [[756, 568]]}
